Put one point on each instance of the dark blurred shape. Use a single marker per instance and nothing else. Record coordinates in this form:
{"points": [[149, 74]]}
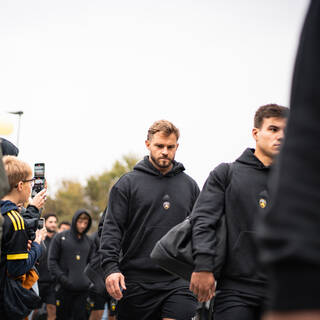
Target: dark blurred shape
{"points": [[8, 148], [289, 233]]}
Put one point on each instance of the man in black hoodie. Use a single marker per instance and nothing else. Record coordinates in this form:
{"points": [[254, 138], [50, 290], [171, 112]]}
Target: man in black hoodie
{"points": [[46, 283], [237, 190], [143, 205], [68, 255]]}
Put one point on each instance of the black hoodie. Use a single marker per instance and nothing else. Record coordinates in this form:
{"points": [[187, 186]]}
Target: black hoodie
{"points": [[240, 202], [143, 205], [68, 256]]}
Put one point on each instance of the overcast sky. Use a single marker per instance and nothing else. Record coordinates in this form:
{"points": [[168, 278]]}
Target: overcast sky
{"points": [[92, 76]]}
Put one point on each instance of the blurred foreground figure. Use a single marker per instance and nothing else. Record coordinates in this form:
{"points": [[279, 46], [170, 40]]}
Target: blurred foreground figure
{"points": [[290, 230]]}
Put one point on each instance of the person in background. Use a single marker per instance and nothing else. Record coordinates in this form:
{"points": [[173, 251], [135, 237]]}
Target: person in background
{"points": [[64, 225], [46, 283], [69, 253]]}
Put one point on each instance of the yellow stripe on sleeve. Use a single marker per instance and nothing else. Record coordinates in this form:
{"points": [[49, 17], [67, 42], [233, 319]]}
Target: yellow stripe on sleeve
{"points": [[18, 256], [13, 221], [21, 219], [15, 214]]}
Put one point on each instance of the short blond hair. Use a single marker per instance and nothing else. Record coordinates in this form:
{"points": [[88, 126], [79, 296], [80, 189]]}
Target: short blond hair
{"points": [[163, 126], [16, 170]]}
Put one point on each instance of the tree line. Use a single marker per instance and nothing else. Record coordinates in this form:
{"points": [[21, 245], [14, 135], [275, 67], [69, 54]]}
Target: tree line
{"points": [[93, 196]]}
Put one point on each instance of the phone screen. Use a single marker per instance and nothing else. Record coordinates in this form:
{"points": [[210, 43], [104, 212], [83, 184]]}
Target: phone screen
{"points": [[39, 178], [39, 170]]}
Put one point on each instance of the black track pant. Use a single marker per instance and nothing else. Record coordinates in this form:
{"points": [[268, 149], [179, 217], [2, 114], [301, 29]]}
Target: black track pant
{"points": [[71, 305]]}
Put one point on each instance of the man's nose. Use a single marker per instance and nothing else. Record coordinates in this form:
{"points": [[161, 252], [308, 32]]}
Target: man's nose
{"points": [[280, 135], [165, 150]]}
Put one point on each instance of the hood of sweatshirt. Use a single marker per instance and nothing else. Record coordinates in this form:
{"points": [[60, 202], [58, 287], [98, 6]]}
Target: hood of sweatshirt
{"points": [[146, 166], [75, 219], [7, 206], [251, 160]]}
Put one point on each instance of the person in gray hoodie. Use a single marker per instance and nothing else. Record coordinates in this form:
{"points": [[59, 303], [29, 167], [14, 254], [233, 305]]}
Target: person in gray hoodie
{"points": [[68, 255]]}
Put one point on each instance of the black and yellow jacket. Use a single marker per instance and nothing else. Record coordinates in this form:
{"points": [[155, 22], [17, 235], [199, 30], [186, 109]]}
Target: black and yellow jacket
{"points": [[16, 260]]}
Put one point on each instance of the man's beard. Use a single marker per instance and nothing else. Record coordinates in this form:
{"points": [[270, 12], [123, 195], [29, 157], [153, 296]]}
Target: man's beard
{"points": [[162, 166], [51, 230]]}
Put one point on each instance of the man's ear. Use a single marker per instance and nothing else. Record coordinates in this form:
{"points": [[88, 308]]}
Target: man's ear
{"points": [[255, 133], [20, 186], [147, 142]]}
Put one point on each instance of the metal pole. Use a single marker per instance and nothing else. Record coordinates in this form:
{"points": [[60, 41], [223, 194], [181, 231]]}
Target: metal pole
{"points": [[19, 113]]}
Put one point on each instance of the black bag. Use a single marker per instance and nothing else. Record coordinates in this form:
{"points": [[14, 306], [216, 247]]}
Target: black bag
{"points": [[173, 252], [98, 286], [19, 301]]}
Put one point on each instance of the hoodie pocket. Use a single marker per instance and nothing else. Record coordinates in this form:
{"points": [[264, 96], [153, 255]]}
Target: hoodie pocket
{"points": [[243, 259], [140, 250]]}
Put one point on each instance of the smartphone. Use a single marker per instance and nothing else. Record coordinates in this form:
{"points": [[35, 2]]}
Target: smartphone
{"points": [[39, 170], [40, 223]]}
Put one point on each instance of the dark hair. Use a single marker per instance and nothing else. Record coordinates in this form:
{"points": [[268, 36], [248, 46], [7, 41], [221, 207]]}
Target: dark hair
{"points": [[48, 215], [269, 111], [64, 222], [164, 126]]}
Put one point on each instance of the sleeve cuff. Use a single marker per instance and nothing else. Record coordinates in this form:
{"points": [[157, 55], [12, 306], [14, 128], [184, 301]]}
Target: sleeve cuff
{"points": [[203, 262], [111, 269]]}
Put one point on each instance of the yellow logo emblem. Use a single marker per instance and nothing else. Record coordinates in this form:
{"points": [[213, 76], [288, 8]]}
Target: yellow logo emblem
{"points": [[166, 205], [263, 203], [77, 257]]}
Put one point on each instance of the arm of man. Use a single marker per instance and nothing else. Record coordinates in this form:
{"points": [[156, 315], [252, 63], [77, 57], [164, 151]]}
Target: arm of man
{"points": [[205, 216], [111, 237], [19, 259], [53, 261], [17, 268]]}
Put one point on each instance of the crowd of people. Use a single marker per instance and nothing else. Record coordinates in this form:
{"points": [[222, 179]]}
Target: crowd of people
{"points": [[78, 275], [70, 267]]}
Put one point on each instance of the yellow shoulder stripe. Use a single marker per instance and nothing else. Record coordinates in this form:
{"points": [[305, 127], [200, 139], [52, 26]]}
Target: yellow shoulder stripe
{"points": [[17, 219], [13, 221], [18, 256]]}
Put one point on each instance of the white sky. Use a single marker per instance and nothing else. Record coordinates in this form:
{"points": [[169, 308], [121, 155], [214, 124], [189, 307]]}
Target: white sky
{"points": [[92, 76]]}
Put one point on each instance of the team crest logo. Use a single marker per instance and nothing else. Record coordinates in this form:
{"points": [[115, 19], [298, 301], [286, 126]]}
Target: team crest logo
{"points": [[263, 203], [166, 205]]}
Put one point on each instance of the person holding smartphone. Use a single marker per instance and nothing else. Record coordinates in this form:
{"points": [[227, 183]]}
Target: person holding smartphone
{"points": [[19, 253]]}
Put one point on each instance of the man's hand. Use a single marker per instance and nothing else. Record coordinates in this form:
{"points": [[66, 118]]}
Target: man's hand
{"points": [[40, 235], [203, 285], [113, 287], [39, 199]]}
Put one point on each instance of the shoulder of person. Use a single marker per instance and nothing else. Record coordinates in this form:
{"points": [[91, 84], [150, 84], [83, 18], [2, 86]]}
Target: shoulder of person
{"points": [[222, 172], [13, 221]]}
